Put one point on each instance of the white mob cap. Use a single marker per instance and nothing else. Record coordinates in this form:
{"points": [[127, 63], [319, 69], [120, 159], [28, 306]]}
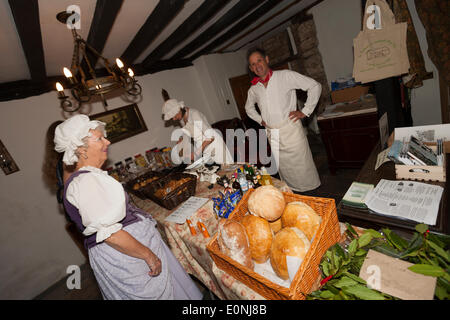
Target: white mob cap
{"points": [[171, 107], [69, 135]]}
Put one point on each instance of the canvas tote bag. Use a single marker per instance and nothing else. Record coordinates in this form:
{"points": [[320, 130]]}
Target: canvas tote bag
{"points": [[380, 48]]}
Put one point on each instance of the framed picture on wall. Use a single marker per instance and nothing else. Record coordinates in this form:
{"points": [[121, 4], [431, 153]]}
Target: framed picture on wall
{"points": [[122, 123]]}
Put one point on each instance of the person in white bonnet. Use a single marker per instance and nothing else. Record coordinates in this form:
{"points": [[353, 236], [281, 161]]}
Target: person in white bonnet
{"points": [[126, 252], [207, 141]]}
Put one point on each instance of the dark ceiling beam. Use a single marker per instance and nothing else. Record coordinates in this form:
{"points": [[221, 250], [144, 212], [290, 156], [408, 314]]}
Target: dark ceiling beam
{"points": [[203, 14], [238, 28], [27, 88], [26, 18], [163, 65], [235, 13], [259, 25], [160, 17], [281, 23], [105, 14]]}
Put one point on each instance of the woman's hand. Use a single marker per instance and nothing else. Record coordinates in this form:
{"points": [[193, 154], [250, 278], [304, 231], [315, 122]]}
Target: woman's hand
{"points": [[154, 264], [127, 244]]}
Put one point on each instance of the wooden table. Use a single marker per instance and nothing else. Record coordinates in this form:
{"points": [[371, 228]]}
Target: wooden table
{"points": [[191, 250], [386, 171]]}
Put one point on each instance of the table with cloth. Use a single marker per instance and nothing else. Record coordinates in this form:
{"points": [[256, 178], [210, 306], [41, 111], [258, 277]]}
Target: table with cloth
{"points": [[191, 250]]}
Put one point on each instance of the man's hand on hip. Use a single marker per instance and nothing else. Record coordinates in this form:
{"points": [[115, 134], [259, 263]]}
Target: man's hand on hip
{"points": [[296, 115], [263, 123]]}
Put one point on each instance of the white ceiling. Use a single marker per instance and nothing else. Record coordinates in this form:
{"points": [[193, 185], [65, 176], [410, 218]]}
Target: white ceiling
{"points": [[57, 39]]}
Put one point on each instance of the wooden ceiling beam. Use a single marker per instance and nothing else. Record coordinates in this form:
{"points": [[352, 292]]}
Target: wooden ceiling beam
{"points": [[281, 23], [259, 25], [105, 14], [160, 17], [238, 28], [236, 12], [199, 17], [26, 18]]}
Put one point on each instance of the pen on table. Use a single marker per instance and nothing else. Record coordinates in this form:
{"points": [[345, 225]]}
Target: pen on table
{"points": [[203, 229], [189, 223]]}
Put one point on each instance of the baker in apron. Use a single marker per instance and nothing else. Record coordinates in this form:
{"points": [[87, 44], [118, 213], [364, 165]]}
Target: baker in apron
{"points": [[207, 141], [274, 92]]}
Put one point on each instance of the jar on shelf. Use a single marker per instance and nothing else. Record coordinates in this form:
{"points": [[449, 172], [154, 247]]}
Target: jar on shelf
{"points": [[166, 152], [121, 171], [140, 162], [151, 159]]}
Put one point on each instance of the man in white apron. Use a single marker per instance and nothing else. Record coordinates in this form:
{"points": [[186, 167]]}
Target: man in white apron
{"points": [[274, 92], [207, 141]]}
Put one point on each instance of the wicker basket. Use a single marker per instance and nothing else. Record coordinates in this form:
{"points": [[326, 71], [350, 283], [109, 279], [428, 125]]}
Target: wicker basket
{"points": [[129, 186], [308, 273], [174, 197]]}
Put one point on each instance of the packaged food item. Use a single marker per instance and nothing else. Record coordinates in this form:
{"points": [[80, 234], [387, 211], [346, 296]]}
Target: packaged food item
{"points": [[166, 153], [121, 170], [140, 161], [130, 165], [151, 159], [159, 159], [266, 179], [113, 173]]}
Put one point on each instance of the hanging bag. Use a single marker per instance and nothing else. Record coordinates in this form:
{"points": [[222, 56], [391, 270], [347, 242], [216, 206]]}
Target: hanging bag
{"points": [[380, 48]]}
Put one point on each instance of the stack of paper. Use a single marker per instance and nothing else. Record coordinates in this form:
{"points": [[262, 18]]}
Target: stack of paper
{"points": [[406, 200], [357, 194], [186, 210]]}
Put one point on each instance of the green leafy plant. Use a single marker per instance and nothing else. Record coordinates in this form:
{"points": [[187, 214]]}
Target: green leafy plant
{"points": [[341, 264]]}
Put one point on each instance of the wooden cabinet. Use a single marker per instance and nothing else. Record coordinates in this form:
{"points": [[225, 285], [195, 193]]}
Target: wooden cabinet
{"points": [[349, 139]]}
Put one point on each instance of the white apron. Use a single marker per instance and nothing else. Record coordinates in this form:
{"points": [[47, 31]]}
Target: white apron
{"points": [[295, 162], [196, 129]]}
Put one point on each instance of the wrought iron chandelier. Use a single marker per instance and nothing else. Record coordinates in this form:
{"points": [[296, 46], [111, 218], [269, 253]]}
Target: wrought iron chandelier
{"points": [[84, 83]]}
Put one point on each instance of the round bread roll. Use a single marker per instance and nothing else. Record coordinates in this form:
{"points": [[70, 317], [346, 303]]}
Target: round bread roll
{"points": [[290, 242], [276, 225], [300, 215], [259, 236], [267, 202], [232, 240]]}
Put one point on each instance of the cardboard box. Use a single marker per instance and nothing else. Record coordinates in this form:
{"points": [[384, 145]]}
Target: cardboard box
{"points": [[348, 94], [429, 134]]}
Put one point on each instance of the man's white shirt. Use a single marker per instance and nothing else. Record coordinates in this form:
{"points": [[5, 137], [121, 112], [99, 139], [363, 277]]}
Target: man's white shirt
{"points": [[279, 98]]}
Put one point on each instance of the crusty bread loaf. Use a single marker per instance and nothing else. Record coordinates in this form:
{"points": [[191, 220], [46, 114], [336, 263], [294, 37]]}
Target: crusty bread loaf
{"points": [[267, 202], [276, 225], [290, 242], [259, 236], [299, 214], [232, 240]]}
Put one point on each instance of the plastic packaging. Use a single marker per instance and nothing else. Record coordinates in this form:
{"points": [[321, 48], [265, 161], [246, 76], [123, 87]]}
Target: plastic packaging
{"points": [[151, 159], [266, 179], [121, 171], [140, 161]]}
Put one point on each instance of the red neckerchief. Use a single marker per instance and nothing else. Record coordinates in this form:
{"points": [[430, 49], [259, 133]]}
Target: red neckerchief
{"points": [[258, 79]]}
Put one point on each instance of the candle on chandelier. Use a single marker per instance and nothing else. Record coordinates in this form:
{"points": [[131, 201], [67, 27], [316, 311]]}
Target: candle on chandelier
{"points": [[119, 64], [69, 75], [60, 89]]}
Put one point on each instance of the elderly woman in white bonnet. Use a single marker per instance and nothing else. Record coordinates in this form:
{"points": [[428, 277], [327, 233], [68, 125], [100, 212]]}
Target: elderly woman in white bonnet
{"points": [[126, 252], [207, 141]]}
